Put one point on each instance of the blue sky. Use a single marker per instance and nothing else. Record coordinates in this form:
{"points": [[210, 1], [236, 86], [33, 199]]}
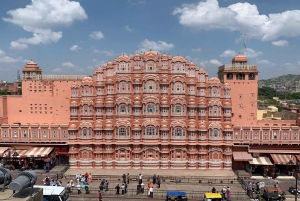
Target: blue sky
{"points": [[75, 37]]}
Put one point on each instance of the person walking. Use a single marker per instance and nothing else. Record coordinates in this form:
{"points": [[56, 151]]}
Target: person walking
{"points": [[117, 189], [150, 193], [228, 194], [158, 181], [90, 178], [128, 178], [149, 184], [123, 189], [154, 179], [138, 189], [78, 186], [124, 178], [106, 185], [140, 178], [223, 191], [142, 187], [99, 196]]}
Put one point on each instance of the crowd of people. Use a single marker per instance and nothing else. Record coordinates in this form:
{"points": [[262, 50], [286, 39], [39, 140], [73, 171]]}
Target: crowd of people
{"points": [[225, 192], [81, 181]]}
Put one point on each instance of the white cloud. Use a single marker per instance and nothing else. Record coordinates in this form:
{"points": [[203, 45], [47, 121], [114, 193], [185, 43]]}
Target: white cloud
{"points": [[2, 53], [7, 59], [265, 62], [228, 53], [18, 46], [57, 70], [98, 63], [197, 50], [215, 62], [107, 52], [68, 64], [75, 48], [97, 35], [129, 29], [252, 53], [241, 17], [280, 43], [134, 2], [158, 46], [41, 17]]}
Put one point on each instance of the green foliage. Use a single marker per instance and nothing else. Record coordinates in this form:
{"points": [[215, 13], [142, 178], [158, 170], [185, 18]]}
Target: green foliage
{"points": [[3, 92], [266, 93]]}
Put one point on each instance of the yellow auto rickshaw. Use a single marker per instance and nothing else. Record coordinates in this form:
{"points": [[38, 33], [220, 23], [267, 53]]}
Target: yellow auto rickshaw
{"points": [[212, 197]]}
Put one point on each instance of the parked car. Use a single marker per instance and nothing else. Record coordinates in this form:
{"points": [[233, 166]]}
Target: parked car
{"points": [[293, 190], [176, 196], [212, 197], [273, 194]]}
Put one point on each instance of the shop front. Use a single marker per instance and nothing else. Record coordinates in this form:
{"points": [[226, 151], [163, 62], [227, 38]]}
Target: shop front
{"points": [[62, 155], [261, 165], [240, 160], [283, 164], [40, 157]]}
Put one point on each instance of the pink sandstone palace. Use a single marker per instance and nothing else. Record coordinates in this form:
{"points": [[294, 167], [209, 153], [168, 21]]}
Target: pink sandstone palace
{"points": [[145, 111]]}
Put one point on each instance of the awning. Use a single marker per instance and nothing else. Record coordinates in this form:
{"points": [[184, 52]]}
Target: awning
{"points": [[38, 152], [2, 150], [242, 156], [261, 161], [281, 159], [19, 153]]}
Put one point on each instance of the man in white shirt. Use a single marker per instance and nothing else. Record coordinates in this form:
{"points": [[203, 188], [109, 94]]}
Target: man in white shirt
{"points": [[142, 187], [150, 193], [123, 189], [68, 187], [140, 178], [78, 186]]}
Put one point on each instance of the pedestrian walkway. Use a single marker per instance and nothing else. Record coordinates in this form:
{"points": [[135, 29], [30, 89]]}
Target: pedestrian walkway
{"points": [[177, 172]]}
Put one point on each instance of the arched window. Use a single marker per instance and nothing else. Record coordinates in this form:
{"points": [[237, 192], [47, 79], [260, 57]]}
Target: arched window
{"points": [[150, 130], [150, 108], [214, 133], [122, 131], [122, 108], [178, 131], [123, 86]]}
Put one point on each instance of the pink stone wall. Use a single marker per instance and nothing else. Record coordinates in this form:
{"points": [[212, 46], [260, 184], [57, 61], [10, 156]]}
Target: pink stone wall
{"points": [[42, 102], [244, 101]]}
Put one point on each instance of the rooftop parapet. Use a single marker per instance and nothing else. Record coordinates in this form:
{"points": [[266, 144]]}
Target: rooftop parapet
{"points": [[58, 77], [230, 67]]}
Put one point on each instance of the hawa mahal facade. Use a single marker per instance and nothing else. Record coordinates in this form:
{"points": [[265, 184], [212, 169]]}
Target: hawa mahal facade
{"points": [[145, 111]]}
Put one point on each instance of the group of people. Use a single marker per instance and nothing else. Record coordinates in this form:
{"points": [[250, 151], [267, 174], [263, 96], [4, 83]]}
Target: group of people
{"points": [[225, 192], [256, 188], [82, 182], [51, 182]]}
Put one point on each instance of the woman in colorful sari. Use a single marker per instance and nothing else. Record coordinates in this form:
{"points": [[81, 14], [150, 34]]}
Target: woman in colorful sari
{"points": [[90, 178]]}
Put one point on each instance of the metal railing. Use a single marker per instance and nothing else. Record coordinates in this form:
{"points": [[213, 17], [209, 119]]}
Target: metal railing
{"points": [[236, 195], [181, 179], [60, 175]]}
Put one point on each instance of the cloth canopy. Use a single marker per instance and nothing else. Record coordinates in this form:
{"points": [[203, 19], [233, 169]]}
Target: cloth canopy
{"points": [[281, 159], [261, 161], [2, 150], [242, 156], [38, 152]]}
